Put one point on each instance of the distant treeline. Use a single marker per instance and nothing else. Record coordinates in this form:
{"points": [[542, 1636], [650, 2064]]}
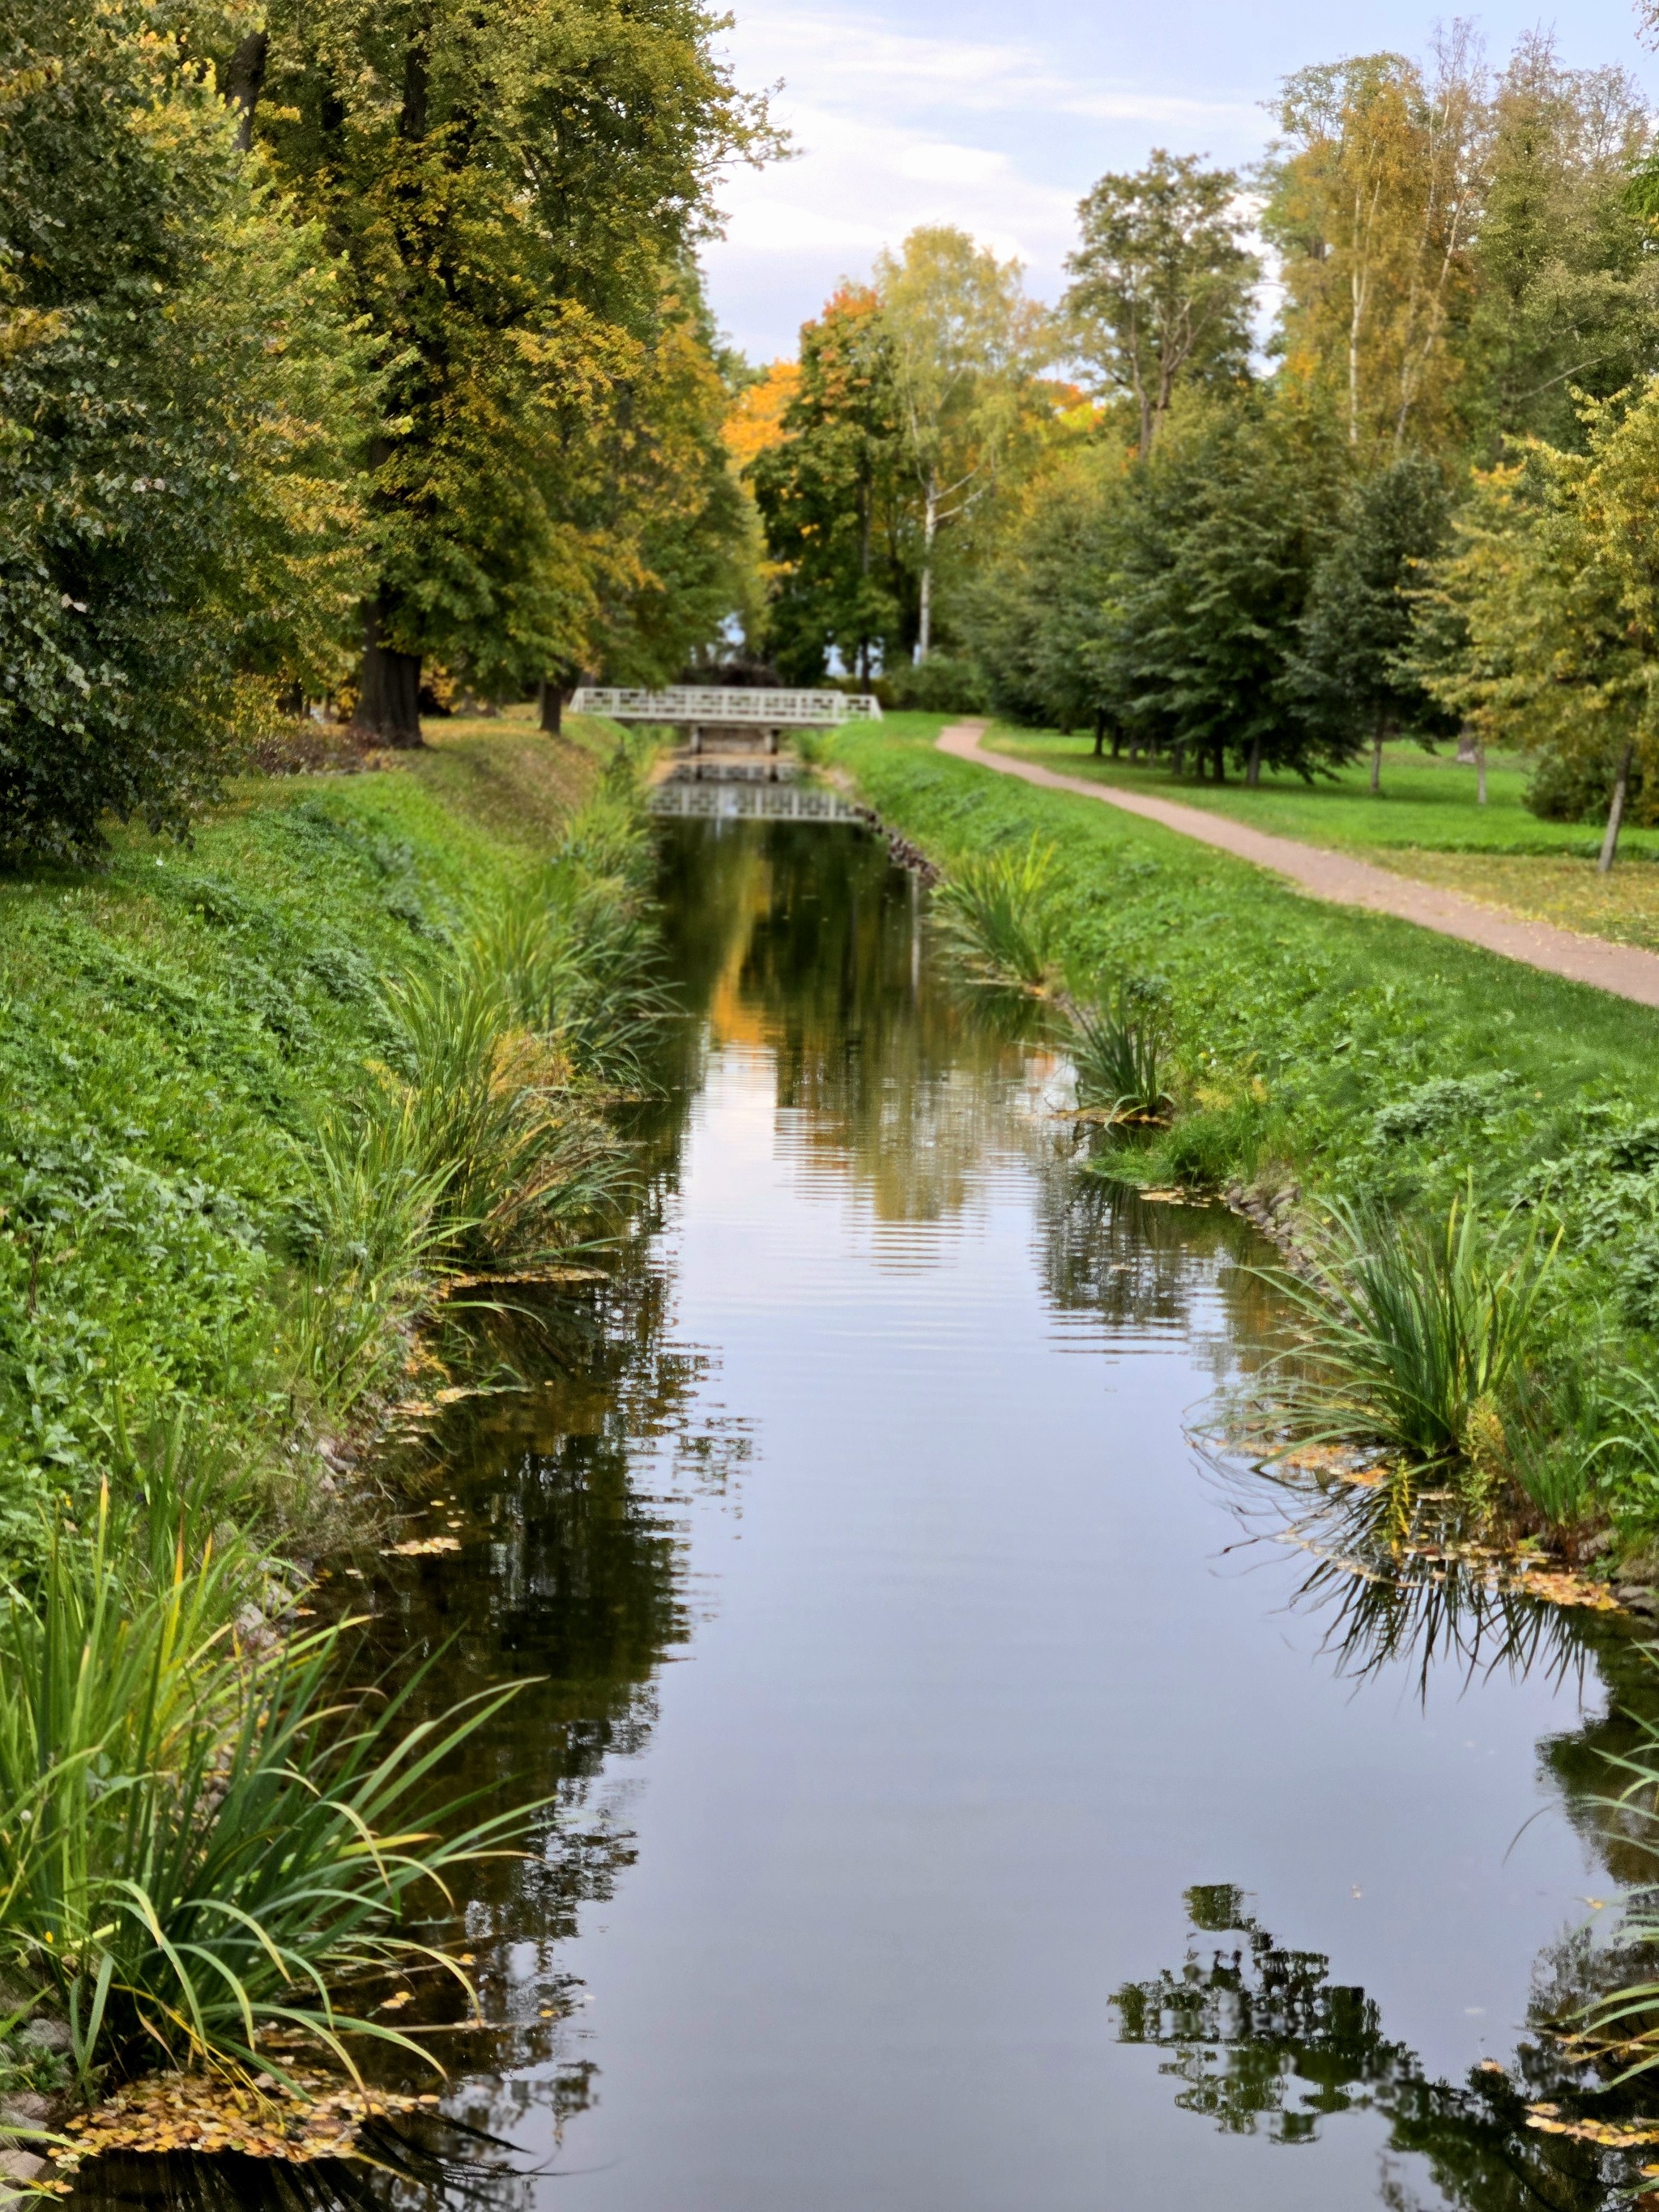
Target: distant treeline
{"points": [[1430, 505]]}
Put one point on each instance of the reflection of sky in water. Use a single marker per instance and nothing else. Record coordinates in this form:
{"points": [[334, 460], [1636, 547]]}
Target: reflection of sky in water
{"points": [[967, 1687]]}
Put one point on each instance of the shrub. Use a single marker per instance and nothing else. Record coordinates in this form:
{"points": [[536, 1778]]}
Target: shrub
{"points": [[941, 684]]}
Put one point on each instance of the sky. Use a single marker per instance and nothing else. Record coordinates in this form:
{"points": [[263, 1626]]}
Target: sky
{"points": [[999, 118]]}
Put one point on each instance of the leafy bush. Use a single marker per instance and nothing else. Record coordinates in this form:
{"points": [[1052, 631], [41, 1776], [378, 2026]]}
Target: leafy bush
{"points": [[941, 684], [1444, 1104], [1637, 1277], [997, 914], [180, 408]]}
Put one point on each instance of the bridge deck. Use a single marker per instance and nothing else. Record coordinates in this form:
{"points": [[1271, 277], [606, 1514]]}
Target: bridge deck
{"points": [[698, 706]]}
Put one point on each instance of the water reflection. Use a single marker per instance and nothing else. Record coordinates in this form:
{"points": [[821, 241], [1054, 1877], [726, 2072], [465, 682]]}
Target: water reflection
{"points": [[1262, 2041], [948, 1751]]}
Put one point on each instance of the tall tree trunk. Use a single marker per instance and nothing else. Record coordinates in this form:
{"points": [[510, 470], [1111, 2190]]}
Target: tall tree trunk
{"points": [[1253, 771], [1117, 742], [1616, 810], [1100, 734], [551, 694], [389, 686], [1376, 756], [417, 78], [1221, 764], [929, 531], [245, 77], [1480, 776]]}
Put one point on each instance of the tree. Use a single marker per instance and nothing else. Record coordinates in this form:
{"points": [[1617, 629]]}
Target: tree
{"points": [[1567, 286], [831, 491], [964, 344], [514, 185], [1553, 585], [1214, 550], [181, 406], [1374, 193], [1039, 612], [1348, 676], [1161, 283]]}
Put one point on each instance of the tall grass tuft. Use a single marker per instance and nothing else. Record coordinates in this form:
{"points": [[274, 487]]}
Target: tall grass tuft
{"points": [[199, 1841], [374, 1237], [1413, 1332], [520, 1163], [574, 963], [1118, 1049], [998, 915]]}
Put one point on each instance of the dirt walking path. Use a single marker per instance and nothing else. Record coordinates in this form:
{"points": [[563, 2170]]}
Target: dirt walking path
{"points": [[1623, 970]]}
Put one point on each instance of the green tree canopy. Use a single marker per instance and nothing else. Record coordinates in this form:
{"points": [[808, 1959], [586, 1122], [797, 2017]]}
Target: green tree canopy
{"points": [[1350, 675], [833, 498], [1161, 282], [515, 186], [181, 392], [964, 344]]}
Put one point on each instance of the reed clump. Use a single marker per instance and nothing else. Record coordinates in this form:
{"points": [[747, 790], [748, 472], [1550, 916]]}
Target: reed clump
{"points": [[998, 915], [1415, 1332], [1120, 1050], [204, 1838], [482, 1144]]}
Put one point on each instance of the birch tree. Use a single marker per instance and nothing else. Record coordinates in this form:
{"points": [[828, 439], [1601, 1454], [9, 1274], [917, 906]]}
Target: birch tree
{"points": [[964, 344], [1374, 192]]}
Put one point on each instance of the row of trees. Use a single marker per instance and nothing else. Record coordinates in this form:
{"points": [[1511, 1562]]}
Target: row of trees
{"points": [[1425, 507], [337, 341]]}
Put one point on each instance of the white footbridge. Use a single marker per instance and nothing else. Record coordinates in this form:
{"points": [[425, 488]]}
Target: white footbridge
{"points": [[718, 720]]}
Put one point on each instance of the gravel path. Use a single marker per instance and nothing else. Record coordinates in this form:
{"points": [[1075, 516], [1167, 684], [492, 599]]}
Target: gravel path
{"points": [[1623, 970]]}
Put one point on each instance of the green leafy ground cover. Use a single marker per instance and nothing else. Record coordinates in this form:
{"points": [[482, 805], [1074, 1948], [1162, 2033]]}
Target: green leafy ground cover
{"points": [[173, 1029], [1361, 1058], [1427, 801]]}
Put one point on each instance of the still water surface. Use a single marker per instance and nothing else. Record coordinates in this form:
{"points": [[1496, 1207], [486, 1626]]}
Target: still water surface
{"points": [[959, 1810]]}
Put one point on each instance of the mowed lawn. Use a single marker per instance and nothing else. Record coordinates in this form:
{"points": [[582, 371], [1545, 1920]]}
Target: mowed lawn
{"points": [[1425, 823]]}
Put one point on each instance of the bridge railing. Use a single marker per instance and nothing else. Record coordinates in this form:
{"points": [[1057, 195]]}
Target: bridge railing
{"points": [[703, 704]]}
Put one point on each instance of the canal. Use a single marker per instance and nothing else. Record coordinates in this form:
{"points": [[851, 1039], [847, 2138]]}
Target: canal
{"points": [[960, 1799]]}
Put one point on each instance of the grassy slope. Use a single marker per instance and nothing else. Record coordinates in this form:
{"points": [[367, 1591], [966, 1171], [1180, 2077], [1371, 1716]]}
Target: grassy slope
{"points": [[170, 1027], [1425, 823], [1298, 1023]]}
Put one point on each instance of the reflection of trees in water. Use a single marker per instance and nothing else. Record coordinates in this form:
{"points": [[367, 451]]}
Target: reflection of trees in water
{"points": [[1140, 1264], [892, 1071], [1261, 2041]]}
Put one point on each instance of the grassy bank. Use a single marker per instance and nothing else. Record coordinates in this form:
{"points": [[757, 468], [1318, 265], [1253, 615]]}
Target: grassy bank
{"points": [[176, 1029], [1339, 1055], [1426, 800], [268, 1098]]}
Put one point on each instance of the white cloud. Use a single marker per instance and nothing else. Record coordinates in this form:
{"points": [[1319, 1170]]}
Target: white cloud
{"points": [[858, 57], [892, 129]]}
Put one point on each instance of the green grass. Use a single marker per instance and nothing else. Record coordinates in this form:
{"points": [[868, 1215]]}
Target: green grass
{"points": [[175, 1029], [1427, 802], [1347, 1052]]}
